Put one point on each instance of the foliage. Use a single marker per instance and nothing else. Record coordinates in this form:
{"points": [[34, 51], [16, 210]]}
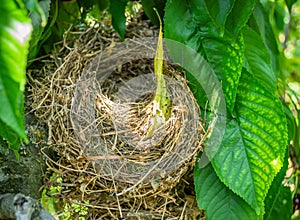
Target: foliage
{"points": [[217, 199], [51, 203], [70, 210], [278, 204], [247, 45], [15, 34], [39, 14], [149, 5], [255, 140], [79, 210], [117, 10]]}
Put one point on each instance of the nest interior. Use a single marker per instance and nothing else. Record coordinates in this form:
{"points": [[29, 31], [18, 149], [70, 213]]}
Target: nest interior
{"points": [[97, 123]]}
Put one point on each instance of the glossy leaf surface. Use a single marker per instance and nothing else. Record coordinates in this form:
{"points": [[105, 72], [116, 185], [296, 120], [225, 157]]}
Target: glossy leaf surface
{"points": [[14, 40]]}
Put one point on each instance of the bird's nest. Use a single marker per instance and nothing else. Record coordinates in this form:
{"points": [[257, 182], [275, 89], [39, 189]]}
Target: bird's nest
{"points": [[112, 113], [96, 100]]}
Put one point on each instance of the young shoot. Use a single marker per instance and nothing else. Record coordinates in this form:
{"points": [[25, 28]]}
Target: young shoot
{"points": [[162, 102]]}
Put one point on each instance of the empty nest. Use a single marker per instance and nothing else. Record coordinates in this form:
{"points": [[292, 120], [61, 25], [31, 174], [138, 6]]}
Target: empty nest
{"points": [[111, 114], [98, 138]]}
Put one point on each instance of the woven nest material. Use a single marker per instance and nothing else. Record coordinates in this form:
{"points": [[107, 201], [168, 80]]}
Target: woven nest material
{"points": [[112, 111], [95, 160]]}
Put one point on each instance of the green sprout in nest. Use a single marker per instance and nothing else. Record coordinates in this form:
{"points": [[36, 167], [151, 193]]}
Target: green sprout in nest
{"points": [[162, 103]]}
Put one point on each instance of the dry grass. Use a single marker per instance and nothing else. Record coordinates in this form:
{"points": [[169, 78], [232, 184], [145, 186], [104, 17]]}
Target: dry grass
{"points": [[99, 139]]}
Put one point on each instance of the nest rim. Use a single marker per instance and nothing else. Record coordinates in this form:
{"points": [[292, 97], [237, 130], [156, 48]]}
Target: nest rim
{"points": [[94, 76]]}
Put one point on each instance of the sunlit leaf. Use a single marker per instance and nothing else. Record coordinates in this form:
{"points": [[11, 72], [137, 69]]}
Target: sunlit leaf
{"points": [[226, 58], [15, 29], [255, 139], [259, 22], [257, 59], [191, 24], [254, 143]]}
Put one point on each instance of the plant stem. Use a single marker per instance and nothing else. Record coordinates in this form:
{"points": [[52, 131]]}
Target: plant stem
{"points": [[162, 102]]}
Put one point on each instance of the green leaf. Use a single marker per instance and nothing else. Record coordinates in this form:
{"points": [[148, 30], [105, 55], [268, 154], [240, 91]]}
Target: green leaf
{"points": [[15, 29], [296, 141], [260, 23], [239, 16], [191, 24], [68, 14], [218, 200], [226, 58], [278, 15], [11, 99], [219, 11], [63, 14], [35, 6], [117, 10], [278, 203], [38, 28], [254, 143], [282, 207], [257, 59], [202, 80], [291, 122], [148, 6], [186, 22], [253, 146], [9, 134]]}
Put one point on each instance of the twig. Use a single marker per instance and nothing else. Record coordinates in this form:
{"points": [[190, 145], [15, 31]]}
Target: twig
{"points": [[182, 213], [142, 179]]}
